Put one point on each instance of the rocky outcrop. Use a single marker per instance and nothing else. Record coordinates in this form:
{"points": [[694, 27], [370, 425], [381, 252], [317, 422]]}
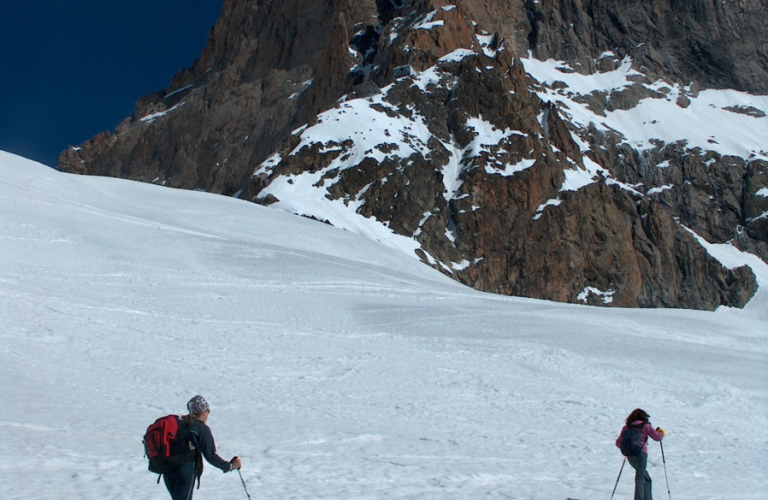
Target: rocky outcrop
{"points": [[500, 172], [507, 225]]}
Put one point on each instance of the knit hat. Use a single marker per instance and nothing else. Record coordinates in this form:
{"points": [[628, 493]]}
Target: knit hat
{"points": [[198, 404]]}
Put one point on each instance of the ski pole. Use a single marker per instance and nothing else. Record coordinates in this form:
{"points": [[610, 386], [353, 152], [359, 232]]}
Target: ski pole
{"points": [[617, 479], [664, 461], [243, 481]]}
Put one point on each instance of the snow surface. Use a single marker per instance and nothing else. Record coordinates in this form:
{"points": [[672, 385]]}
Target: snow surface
{"points": [[336, 368]]}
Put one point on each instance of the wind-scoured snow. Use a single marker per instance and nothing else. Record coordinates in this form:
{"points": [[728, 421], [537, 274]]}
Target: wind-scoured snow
{"points": [[485, 44], [178, 91], [605, 296], [706, 123], [356, 119], [457, 55], [659, 189], [550, 71], [154, 116], [428, 22], [510, 169], [486, 135], [335, 367], [540, 210]]}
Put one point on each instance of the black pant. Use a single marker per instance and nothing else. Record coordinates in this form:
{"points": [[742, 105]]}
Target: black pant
{"points": [[181, 483]]}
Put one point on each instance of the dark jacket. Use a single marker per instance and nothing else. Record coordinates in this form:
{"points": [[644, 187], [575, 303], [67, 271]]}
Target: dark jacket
{"points": [[201, 438], [197, 442]]}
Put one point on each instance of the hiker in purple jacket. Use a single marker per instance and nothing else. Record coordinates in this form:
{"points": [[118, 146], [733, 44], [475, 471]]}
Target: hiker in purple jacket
{"points": [[639, 419]]}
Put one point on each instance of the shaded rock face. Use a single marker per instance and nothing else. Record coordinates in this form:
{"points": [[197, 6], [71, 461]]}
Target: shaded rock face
{"points": [[490, 173], [695, 40]]}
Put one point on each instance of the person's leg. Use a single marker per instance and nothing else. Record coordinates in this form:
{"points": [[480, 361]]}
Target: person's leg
{"points": [[642, 479], [648, 489], [181, 483], [170, 483]]}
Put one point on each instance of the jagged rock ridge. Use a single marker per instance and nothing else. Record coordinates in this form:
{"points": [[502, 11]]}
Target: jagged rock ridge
{"points": [[513, 175]]}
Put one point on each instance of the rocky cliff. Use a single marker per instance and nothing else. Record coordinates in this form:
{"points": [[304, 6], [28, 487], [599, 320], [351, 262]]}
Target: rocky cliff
{"points": [[575, 150]]}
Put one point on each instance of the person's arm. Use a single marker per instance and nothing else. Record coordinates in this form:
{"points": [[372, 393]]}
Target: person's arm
{"points": [[656, 435], [207, 446]]}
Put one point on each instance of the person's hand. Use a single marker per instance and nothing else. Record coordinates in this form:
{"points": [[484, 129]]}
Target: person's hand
{"points": [[661, 431], [236, 464]]}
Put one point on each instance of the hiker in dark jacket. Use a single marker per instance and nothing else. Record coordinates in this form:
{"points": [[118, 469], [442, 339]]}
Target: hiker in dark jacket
{"points": [[181, 482], [639, 419]]}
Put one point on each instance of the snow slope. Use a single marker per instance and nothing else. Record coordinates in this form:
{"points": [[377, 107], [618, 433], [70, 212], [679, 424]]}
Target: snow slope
{"points": [[336, 367]]}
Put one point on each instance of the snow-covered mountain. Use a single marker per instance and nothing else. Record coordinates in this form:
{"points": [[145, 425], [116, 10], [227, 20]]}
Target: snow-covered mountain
{"points": [[577, 151], [494, 207], [337, 368]]}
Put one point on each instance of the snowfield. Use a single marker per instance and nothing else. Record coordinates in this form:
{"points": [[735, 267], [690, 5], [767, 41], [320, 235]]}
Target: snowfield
{"points": [[336, 367]]}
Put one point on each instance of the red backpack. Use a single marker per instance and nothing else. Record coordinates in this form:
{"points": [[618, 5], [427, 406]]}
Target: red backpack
{"points": [[161, 445]]}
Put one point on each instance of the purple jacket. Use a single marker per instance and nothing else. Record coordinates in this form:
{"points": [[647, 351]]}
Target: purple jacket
{"points": [[647, 430]]}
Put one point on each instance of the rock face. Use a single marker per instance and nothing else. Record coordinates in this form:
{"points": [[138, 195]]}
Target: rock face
{"points": [[586, 180]]}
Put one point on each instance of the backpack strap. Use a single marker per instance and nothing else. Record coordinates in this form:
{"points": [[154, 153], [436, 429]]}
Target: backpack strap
{"points": [[198, 466], [640, 428]]}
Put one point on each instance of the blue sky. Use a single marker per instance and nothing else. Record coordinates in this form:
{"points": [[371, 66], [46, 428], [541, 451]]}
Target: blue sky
{"points": [[70, 70]]}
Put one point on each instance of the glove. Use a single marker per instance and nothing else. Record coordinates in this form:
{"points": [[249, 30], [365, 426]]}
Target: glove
{"points": [[660, 430], [236, 464]]}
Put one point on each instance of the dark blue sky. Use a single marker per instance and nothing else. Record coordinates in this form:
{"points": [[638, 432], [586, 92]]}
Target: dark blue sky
{"points": [[70, 70]]}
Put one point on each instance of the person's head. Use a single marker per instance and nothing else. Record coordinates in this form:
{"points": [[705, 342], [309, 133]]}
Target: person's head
{"points": [[198, 408], [637, 414]]}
